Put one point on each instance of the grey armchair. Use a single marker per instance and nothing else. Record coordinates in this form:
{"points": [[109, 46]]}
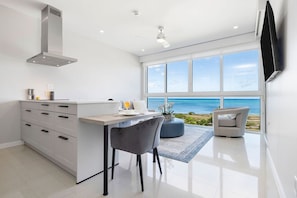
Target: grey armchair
{"points": [[230, 122], [137, 139]]}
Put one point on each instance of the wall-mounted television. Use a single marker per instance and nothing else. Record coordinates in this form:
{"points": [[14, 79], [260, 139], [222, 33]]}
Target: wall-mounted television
{"points": [[269, 46]]}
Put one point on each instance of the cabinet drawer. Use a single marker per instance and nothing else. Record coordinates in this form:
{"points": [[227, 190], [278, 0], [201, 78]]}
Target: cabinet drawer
{"points": [[44, 118], [28, 114], [45, 106], [45, 144], [65, 123], [65, 148], [66, 108], [26, 131], [28, 105], [38, 105], [29, 133]]}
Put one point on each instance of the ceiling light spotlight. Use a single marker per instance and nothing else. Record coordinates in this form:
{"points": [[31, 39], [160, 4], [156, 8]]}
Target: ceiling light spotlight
{"points": [[135, 12], [161, 38], [235, 27]]}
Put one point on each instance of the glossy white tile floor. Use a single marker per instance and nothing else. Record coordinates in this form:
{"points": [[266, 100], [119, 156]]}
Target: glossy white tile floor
{"points": [[224, 168]]}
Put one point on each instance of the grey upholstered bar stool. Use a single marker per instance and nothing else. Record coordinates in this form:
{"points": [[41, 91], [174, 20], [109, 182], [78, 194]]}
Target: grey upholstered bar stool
{"points": [[137, 139]]}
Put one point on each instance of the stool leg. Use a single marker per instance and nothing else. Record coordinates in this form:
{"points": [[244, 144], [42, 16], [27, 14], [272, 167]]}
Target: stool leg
{"points": [[157, 155], [113, 159], [137, 160], [140, 171]]}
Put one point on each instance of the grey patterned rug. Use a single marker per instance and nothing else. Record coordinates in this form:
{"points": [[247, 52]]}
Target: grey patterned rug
{"points": [[184, 148]]}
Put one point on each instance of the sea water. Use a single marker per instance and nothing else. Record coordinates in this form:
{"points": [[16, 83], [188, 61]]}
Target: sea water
{"points": [[205, 105]]}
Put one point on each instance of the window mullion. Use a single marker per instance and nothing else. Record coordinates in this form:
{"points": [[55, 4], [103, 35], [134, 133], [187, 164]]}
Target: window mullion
{"points": [[190, 76], [221, 81], [165, 83]]}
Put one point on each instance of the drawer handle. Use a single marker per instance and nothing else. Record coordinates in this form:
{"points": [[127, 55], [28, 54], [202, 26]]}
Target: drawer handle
{"points": [[43, 113], [28, 110], [28, 125], [45, 131], [62, 137], [66, 117], [46, 105], [63, 106]]}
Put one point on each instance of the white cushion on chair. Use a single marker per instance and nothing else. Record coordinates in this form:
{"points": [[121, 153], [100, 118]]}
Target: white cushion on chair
{"points": [[227, 120], [227, 116]]}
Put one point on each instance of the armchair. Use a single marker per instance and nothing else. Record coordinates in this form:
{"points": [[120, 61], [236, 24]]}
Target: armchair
{"points": [[230, 122]]}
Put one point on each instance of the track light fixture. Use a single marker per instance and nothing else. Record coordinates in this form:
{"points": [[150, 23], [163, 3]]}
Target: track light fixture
{"points": [[161, 38]]}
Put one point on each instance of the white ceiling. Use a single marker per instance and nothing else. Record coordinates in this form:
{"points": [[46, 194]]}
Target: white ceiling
{"points": [[186, 22]]}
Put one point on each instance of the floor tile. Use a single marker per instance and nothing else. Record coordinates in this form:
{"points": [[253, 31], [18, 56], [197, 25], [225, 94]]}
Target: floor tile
{"points": [[223, 168]]}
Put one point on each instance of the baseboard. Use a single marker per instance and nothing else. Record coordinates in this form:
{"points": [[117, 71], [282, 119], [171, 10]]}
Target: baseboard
{"points": [[275, 176], [11, 144]]}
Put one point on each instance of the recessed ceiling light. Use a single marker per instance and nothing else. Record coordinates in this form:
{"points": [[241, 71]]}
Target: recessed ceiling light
{"points": [[235, 27], [135, 12], [142, 50], [101, 31]]}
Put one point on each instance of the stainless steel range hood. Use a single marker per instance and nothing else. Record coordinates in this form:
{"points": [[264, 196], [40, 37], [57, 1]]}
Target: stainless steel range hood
{"points": [[51, 40]]}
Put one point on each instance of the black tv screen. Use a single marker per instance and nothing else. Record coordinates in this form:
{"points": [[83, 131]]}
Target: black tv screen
{"points": [[269, 45]]}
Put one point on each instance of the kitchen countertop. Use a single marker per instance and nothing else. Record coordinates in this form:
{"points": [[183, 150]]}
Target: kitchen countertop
{"points": [[68, 101]]}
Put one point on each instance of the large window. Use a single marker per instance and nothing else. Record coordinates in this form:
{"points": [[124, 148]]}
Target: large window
{"points": [[155, 102], [177, 76], [194, 105], [206, 74], [155, 79], [241, 71], [200, 85]]}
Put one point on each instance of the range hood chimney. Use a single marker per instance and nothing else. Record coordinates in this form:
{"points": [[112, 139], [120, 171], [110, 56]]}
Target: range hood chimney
{"points": [[51, 40]]}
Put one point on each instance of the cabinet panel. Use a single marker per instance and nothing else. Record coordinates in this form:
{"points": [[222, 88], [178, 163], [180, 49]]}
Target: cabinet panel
{"points": [[45, 142], [66, 108], [38, 105], [45, 106], [30, 133], [66, 123], [26, 131], [29, 105], [65, 149], [44, 118], [28, 114]]}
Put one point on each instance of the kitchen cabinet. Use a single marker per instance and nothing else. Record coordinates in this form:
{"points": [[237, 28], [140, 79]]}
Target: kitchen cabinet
{"points": [[64, 148], [53, 129]]}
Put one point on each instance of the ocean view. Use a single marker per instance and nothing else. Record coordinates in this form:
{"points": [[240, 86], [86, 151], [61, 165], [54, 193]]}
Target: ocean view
{"points": [[206, 105]]}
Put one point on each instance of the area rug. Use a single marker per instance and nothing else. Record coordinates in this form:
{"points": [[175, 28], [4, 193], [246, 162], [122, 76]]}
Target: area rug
{"points": [[184, 148]]}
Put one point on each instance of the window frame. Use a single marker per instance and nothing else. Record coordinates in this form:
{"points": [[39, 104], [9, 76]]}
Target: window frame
{"points": [[221, 94]]}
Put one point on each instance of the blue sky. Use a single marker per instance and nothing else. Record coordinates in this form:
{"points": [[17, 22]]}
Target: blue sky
{"points": [[240, 74]]}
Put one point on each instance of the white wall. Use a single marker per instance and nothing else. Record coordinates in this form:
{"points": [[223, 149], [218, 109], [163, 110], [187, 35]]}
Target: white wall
{"points": [[281, 101], [101, 72]]}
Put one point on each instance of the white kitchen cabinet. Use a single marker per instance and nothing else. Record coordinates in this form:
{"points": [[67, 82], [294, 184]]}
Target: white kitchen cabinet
{"points": [[28, 132], [66, 108], [65, 123], [44, 140], [54, 130], [64, 149], [43, 118]]}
